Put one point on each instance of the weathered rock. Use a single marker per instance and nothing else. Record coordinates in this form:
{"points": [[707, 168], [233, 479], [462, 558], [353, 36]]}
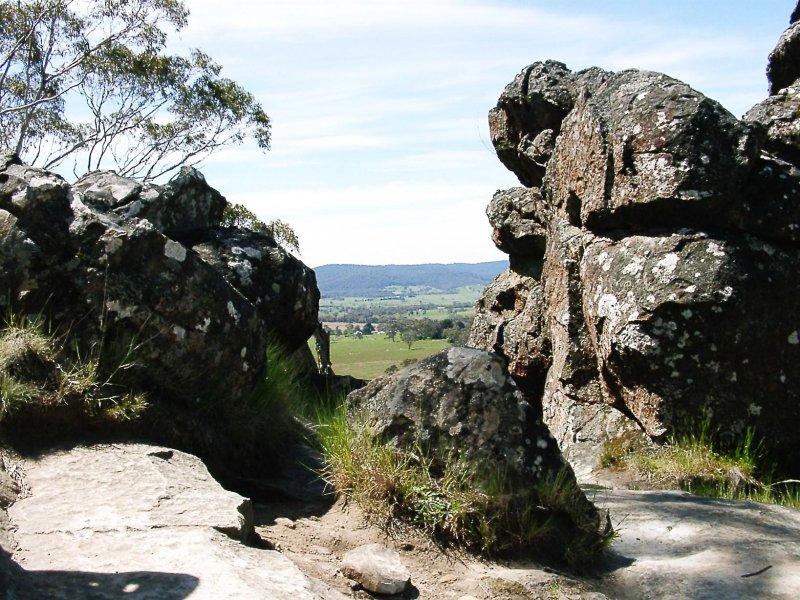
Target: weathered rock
{"points": [[194, 334], [778, 114], [647, 150], [105, 190], [660, 310], [377, 569], [462, 400], [675, 545], [518, 217], [184, 209], [461, 405], [527, 119], [783, 64], [110, 262], [283, 290], [39, 200], [109, 520], [510, 322], [661, 227]]}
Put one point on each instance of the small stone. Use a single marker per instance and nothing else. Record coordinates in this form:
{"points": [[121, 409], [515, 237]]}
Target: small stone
{"points": [[377, 569], [450, 578], [288, 523]]}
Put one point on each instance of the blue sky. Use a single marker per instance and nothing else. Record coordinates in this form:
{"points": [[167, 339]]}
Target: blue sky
{"points": [[380, 150]]}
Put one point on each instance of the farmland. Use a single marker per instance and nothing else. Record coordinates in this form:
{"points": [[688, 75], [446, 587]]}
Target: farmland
{"points": [[370, 356]]}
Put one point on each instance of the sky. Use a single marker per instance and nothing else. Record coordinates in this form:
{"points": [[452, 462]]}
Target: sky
{"points": [[380, 144]]}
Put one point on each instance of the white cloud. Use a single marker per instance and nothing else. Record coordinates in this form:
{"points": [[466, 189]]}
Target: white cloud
{"points": [[379, 109]]}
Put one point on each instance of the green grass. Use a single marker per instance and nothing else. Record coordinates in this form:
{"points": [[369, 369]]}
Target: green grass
{"points": [[456, 502], [370, 356], [699, 462], [44, 380]]}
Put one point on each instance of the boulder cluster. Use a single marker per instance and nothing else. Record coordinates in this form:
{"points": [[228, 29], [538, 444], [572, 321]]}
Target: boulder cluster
{"points": [[120, 264], [653, 254]]}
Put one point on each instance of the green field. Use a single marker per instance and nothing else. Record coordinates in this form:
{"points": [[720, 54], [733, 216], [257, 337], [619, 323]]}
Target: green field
{"points": [[370, 356]]}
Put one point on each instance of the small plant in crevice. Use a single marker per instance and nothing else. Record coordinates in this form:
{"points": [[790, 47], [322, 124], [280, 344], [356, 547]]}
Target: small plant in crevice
{"points": [[456, 503], [43, 379]]}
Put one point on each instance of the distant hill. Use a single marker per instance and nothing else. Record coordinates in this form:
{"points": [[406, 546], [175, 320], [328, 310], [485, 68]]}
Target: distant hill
{"points": [[376, 281]]}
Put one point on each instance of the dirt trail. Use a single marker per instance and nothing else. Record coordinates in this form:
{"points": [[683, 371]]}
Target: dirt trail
{"points": [[315, 536]]}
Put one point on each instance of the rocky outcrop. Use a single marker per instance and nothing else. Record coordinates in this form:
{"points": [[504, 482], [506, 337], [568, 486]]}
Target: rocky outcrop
{"points": [[462, 406], [783, 66], [106, 521], [149, 267], [652, 258]]}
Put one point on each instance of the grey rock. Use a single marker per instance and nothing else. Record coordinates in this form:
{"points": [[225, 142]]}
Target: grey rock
{"points": [[110, 261], [462, 400], [647, 150], [518, 217], [527, 119], [108, 520], [783, 64], [105, 190], [461, 404], [509, 321], [281, 288], [661, 226], [195, 335], [377, 569], [661, 314], [778, 115], [184, 209], [39, 200], [674, 545]]}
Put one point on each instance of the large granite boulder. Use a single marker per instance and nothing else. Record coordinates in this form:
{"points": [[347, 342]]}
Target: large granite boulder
{"points": [[462, 405], [110, 261], [184, 209], [282, 289], [653, 269]]}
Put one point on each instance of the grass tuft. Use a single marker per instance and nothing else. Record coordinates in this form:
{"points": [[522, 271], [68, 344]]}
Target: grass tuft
{"points": [[455, 503], [702, 463], [41, 379]]}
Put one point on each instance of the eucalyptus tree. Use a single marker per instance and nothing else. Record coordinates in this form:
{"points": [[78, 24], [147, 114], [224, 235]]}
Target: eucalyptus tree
{"points": [[88, 82]]}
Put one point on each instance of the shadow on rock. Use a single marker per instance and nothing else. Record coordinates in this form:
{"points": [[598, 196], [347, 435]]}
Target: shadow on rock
{"points": [[20, 584]]}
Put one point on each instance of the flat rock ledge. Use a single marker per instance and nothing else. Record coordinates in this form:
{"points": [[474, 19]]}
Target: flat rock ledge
{"points": [[674, 545], [140, 521]]}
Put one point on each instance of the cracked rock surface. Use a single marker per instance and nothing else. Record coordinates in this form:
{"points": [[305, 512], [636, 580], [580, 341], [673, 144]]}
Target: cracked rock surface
{"points": [[144, 522]]}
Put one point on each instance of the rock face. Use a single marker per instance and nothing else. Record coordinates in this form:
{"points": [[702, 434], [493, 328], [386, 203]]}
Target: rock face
{"points": [[783, 66], [150, 267], [106, 521], [653, 258], [462, 405], [462, 400]]}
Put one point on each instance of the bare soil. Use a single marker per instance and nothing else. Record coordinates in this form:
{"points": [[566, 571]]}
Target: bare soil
{"points": [[315, 536]]}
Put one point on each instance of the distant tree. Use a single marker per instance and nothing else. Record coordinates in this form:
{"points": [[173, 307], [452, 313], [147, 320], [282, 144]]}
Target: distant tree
{"points": [[391, 369], [88, 81], [368, 328], [236, 215], [409, 336], [391, 334]]}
